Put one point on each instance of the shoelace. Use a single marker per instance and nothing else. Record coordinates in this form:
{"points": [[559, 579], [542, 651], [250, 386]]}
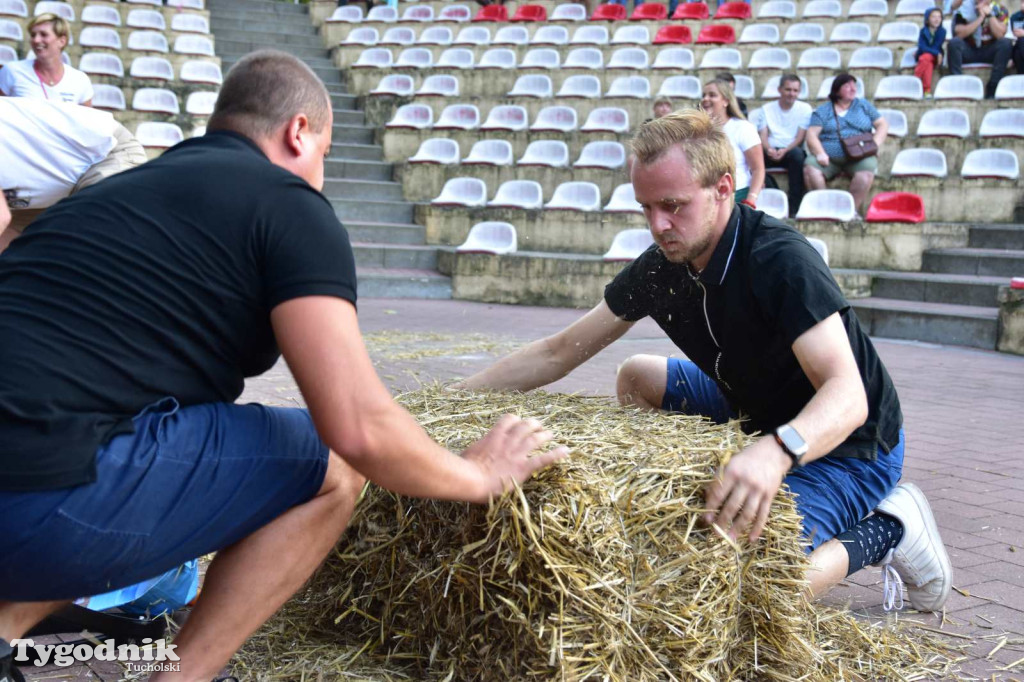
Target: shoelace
{"points": [[892, 589]]}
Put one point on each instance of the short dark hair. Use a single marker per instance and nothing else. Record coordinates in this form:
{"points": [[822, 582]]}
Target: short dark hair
{"points": [[841, 80], [264, 90], [788, 78], [725, 76]]}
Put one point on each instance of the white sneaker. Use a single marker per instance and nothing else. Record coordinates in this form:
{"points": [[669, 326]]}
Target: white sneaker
{"points": [[920, 559]]}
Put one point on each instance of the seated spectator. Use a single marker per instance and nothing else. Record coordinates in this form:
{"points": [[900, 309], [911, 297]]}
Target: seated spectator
{"points": [[1017, 28], [979, 36], [844, 115], [720, 104], [44, 74], [782, 125], [929, 48], [731, 80], [662, 107]]}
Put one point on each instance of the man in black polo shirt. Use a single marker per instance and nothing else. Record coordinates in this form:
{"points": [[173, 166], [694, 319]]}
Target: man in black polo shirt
{"points": [[130, 315], [769, 338]]}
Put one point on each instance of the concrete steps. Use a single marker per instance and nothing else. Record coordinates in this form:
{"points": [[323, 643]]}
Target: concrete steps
{"points": [[945, 323]]}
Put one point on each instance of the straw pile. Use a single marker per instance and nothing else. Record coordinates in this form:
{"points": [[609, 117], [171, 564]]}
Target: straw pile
{"points": [[595, 569]]}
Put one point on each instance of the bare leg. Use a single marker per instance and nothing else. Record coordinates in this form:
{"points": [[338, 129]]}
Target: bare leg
{"points": [[829, 564], [248, 581], [814, 178], [641, 381], [17, 618], [859, 188]]}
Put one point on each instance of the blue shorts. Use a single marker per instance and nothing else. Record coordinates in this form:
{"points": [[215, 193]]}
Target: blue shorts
{"points": [[187, 482], [832, 493]]}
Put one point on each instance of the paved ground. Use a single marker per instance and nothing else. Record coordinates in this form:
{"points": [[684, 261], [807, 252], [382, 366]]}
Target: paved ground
{"points": [[965, 448]]}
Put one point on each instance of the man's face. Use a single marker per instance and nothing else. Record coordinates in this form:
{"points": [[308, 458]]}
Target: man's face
{"points": [[788, 93], [311, 163], [666, 109], [680, 213]]}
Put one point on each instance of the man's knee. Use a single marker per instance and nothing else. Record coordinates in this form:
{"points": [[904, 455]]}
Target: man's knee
{"points": [[641, 380], [795, 157], [1004, 46], [341, 481]]}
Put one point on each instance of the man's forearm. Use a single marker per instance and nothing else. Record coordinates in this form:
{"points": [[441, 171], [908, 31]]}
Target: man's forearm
{"points": [[836, 410], [532, 366]]}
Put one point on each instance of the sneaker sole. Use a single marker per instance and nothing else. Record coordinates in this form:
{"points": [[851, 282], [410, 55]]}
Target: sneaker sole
{"points": [[933, 534]]}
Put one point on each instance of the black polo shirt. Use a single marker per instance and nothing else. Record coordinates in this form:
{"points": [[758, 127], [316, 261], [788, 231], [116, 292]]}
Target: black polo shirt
{"points": [[764, 286], [156, 282]]}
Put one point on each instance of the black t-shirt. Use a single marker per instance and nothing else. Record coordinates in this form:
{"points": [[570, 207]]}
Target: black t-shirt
{"points": [[156, 282], [764, 286]]}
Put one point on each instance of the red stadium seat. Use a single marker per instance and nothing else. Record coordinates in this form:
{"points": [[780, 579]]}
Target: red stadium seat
{"points": [[530, 13], [650, 11], [492, 13], [733, 10], [716, 34], [697, 11], [609, 12], [679, 35], [896, 207]]}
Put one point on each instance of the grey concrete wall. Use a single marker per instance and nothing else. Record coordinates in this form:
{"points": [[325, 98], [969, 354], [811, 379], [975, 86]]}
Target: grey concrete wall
{"points": [[1011, 321]]}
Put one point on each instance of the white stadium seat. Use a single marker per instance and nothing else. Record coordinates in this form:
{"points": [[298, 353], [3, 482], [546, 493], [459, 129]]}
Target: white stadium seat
{"points": [[364, 35], [850, 32], [146, 18], [532, 85], [919, 163], [584, 58], [575, 196], [7, 54], [473, 35], [826, 87], [823, 9], [456, 58], [193, 44], [607, 120], [674, 58], [587, 87], [497, 58], [101, 64], [438, 150], [827, 204], [511, 35], [630, 86], [898, 32], [101, 37], [525, 194], [550, 35], [773, 202], [439, 85], [61, 9], [771, 88], [623, 200], [415, 58], [745, 86], [469, 192], [492, 237], [418, 14], [805, 32], [1011, 87], [820, 246], [770, 58], [506, 117], [944, 123], [897, 122], [777, 9], [558, 119], [759, 34], [991, 163], [200, 103], [178, 5], [147, 41], [417, 116], [899, 87], [109, 97], [346, 14], [1003, 123], [628, 244], [871, 58], [590, 35], [155, 3], [601, 154], [912, 8], [13, 8], [375, 58], [568, 11], [153, 68], [629, 58], [436, 35], [489, 153], [156, 100], [458, 117], [960, 87], [553, 153], [868, 8], [457, 13], [909, 59], [398, 35], [631, 35], [722, 59], [681, 87], [540, 58], [820, 58], [101, 14], [11, 30], [158, 135]]}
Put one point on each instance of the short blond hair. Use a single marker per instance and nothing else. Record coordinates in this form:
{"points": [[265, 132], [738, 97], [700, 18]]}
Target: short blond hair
{"points": [[61, 28], [705, 144]]}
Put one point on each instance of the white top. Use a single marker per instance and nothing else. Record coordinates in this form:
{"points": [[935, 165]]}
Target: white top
{"points": [[19, 79], [48, 146], [783, 126], [743, 136]]}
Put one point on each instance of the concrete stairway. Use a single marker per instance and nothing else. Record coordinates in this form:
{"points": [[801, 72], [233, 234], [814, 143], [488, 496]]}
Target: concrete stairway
{"points": [[392, 259], [953, 299]]}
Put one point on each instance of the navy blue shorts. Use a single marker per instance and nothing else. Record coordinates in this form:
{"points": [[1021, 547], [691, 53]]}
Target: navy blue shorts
{"points": [[832, 493], [187, 482]]}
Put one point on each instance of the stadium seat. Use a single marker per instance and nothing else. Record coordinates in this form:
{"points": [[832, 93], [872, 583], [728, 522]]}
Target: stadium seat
{"points": [[364, 35], [850, 32], [590, 35], [149, 19], [897, 122], [11, 30], [13, 8], [623, 199], [108, 97], [909, 59], [195, 71], [101, 64], [456, 13], [458, 117], [674, 58], [155, 100], [871, 58], [601, 154], [492, 237], [896, 207], [552, 153], [550, 35], [822, 9], [497, 58], [489, 153], [473, 35], [155, 3], [575, 196], [530, 13], [868, 8], [827, 204], [415, 58], [826, 87], [771, 88], [630, 86], [760, 34], [148, 41], [101, 37], [439, 85], [898, 32], [631, 35], [101, 14], [540, 58], [192, 44], [198, 5], [820, 58], [944, 123], [346, 14], [649, 11], [190, 23], [1003, 123], [770, 58], [375, 58], [61, 9], [912, 8], [629, 58], [558, 119], [506, 117], [569, 11], [805, 32], [628, 244], [525, 194], [716, 34], [471, 192], [495, 13], [436, 35], [511, 35], [777, 9], [820, 246], [398, 35], [585, 58], [745, 86], [418, 14], [587, 87], [695, 11], [733, 10], [7, 54], [899, 87], [158, 135], [607, 120], [960, 87], [437, 150], [200, 103], [681, 87], [532, 85], [1011, 87], [151, 68], [773, 202], [991, 163], [382, 14], [456, 58], [415, 116], [919, 163], [722, 59], [609, 12]]}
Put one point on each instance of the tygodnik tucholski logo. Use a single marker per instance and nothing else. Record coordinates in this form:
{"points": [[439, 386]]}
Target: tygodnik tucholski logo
{"points": [[149, 656]]}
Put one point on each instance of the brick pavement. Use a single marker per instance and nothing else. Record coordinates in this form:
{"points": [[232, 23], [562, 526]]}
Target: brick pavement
{"points": [[965, 448]]}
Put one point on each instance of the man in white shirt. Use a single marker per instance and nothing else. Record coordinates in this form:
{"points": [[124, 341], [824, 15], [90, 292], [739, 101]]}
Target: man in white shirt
{"points": [[782, 125]]}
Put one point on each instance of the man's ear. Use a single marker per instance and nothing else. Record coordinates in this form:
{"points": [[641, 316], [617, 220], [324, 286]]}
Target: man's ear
{"points": [[725, 187], [294, 133]]}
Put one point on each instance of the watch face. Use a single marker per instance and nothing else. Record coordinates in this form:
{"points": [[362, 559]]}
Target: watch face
{"points": [[792, 440]]}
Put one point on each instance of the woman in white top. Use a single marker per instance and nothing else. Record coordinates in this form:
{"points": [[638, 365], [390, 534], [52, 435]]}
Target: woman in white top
{"points": [[720, 103], [44, 75]]}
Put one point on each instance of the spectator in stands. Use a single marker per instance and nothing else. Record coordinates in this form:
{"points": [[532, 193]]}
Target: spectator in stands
{"points": [[1017, 28], [44, 74], [720, 103], [979, 36], [929, 48], [662, 107], [843, 115], [782, 125], [728, 78]]}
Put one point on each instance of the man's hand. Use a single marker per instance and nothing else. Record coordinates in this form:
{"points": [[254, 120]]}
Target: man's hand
{"points": [[775, 154], [503, 455], [741, 495]]}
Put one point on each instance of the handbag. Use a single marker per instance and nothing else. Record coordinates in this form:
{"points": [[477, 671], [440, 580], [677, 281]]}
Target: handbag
{"points": [[856, 147]]}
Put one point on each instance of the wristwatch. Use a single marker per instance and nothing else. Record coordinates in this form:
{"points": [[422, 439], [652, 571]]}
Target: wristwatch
{"points": [[792, 443]]}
